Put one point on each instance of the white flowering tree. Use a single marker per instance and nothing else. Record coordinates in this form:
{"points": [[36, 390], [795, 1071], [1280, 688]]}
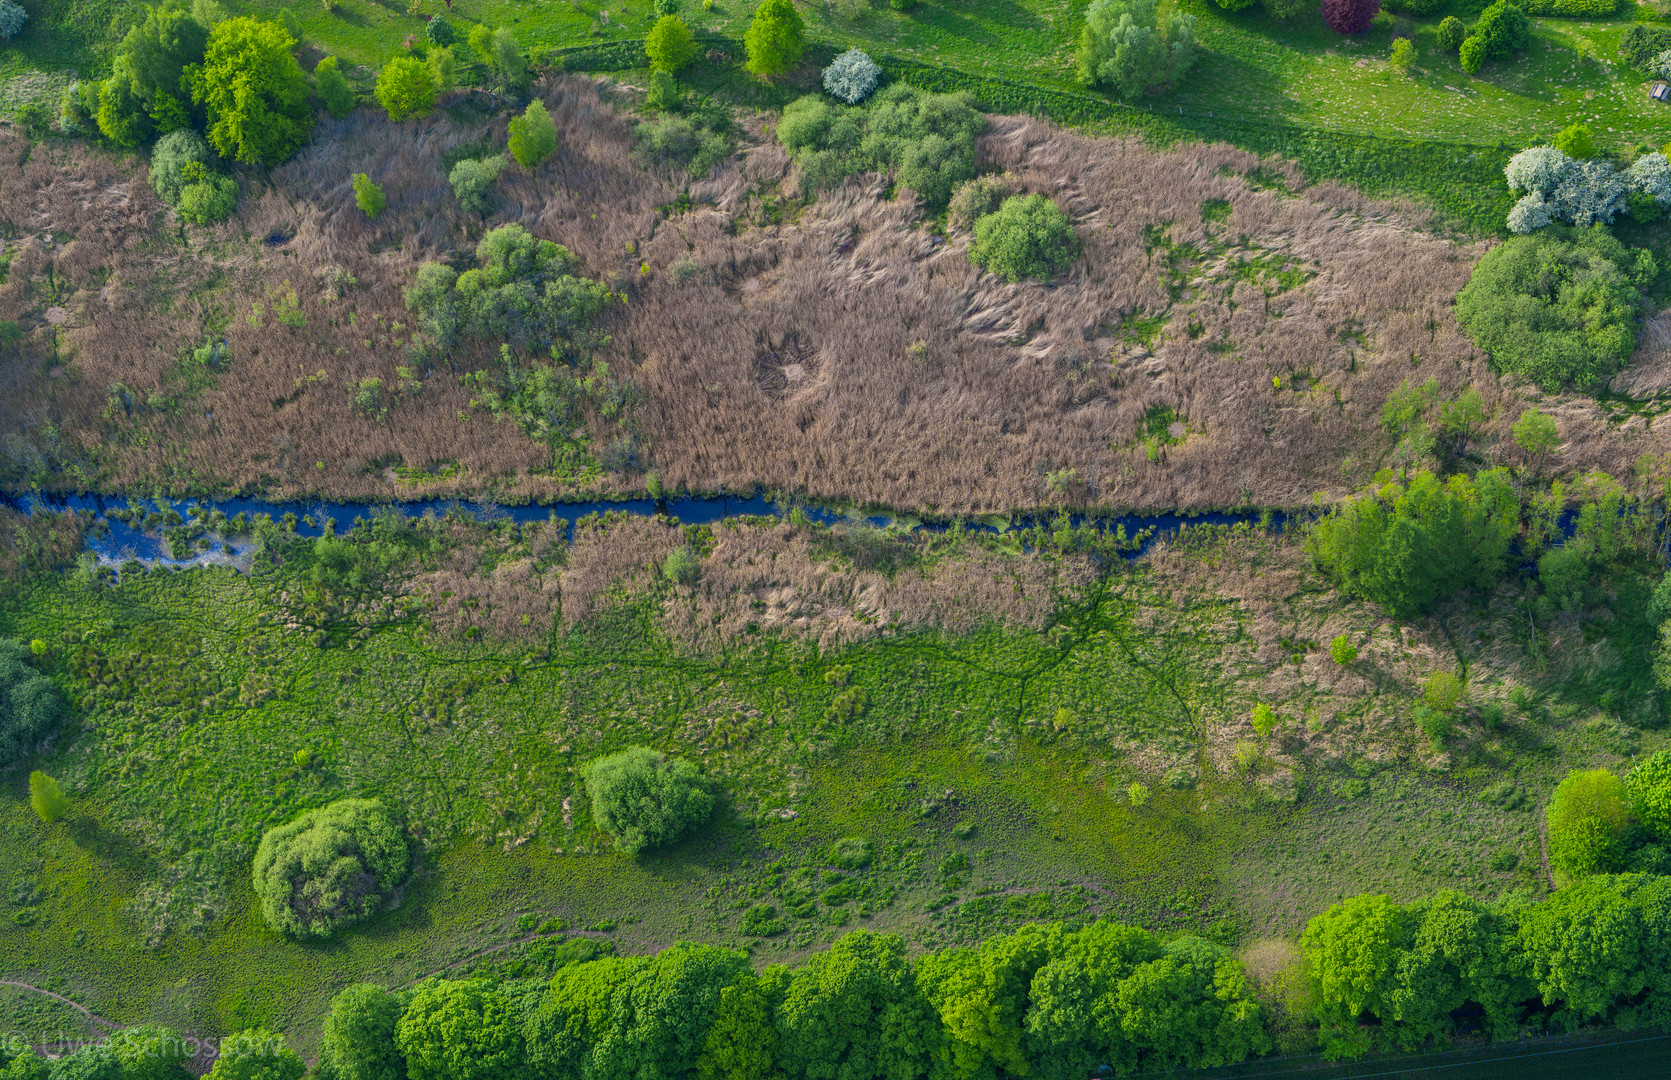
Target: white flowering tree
{"points": [[852, 76], [1555, 188]]}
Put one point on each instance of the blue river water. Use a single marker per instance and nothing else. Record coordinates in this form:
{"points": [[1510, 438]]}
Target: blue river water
{"points": [[117, 541]]}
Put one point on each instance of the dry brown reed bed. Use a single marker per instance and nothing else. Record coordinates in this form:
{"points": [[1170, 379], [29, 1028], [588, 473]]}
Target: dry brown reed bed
{"points": [[848, 353]]}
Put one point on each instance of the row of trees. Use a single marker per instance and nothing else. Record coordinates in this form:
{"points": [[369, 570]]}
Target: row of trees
{"points": [[150, 1052], [1047, 1001]]}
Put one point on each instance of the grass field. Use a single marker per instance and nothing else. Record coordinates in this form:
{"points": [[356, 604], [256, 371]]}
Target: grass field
{"points": [[989, 771]]}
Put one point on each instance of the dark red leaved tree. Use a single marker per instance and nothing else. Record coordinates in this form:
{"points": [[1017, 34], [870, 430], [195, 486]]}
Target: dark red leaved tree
{"points": [[1350, 16]]}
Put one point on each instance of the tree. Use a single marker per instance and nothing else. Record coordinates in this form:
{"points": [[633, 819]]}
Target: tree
{"points": [[1504, 29], [643, 799], [775, 39], [1575, 141], [439, 31], [406, 88], [742, 1042], [1461, 420], [854, 1011], [1536, 434], [1452, 33], [329, 868], [1072, 1002], [121, 115], [1405, 545], [472, 182], [1458, 951], [1593, 946], [852, 77], [359, 1034], [29, 704], [441, 65], [1649, 788], [1352, 952], [154, 57], [148, 1052], [48, 799], [255, 93], [1190, 1008], [463, 1030], [1586, 818], [256, 1054], [1559, 307], [982, 997], [1403, 56], [333, 88], [1350, 16], [1471, 54], [533, 135], [12, 17], [208, 200], [1028, 237], [669, 45], [1342, 651], [368, 196], [501, 53], [1123, 48], [179, 160]]}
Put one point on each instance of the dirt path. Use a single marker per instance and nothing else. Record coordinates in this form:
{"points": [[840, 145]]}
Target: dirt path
{"points": [[82, 1009]]}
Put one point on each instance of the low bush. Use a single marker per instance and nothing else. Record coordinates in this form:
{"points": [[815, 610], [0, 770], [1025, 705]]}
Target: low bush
{"points": [[682, 145], [329, 868], [406, 88], [852, 77], [1403, 56], [46, 797], [368, 196], [209, 200], [1586, 819], [180, 159], [1576, 142], [928, 140], [642, 799], [1558, 308], [682, 565], [439, 31], [974, 199], [29, 703], [1452, 33], [1573, 9], [663, 93], [1029, 236], [473, 182]]}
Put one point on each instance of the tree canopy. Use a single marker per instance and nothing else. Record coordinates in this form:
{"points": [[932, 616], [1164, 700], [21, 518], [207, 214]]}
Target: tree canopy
{"points": [[643, 799], [1028, 236], [1124, 49], [775, 39], [254, 93], [328, 868], [29, 703]]}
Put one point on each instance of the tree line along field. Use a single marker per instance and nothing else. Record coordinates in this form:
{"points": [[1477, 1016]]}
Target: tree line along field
{"points": [[1092, 747]]}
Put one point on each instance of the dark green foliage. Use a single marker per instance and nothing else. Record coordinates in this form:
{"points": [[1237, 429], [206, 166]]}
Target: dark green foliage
{"points": [[1594, 950], [1504, 30], [333, 88], [254, 92], [359, 1034], [329, 868], [439, 31], [1587, 818], [29, 705], [522, 290], [742, 1042], [927, 139], [664, 92], [179, 159], [1451, 33], [1405, 545], [121, 115], [643, 799], [154, 58], [1027, 237], [257, 1054], [461, 1031], [1641, 45], [13, 16]]}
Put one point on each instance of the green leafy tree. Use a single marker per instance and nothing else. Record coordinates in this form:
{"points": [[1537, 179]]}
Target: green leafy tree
{"points": [[1503, 29], [359, 1034], [1263, 720], [179, 160], [742, 1042], [256, 1054], [1459, 951], [1471, 54], [775, 39], [121, 115], [1405, 545], [533, 135], [854, 1012], [368, 196], [441, 68], [576, 1010], [1536, 434], [669, 45], [1403, 56], [29, 703], [1070, 1027], [1028, 237], [1352, 952], [1586, 818], [463, 1030], [1461, 420], [499, 50], [12, 18], [211, 198], [333, 87], [643, 799], [1191, 1008], [1593, 947], [255, 94], [148, 1052], [981, 995], [473, 179], [1452, 33], [47, 798], [155, 55], [329, 867], [1124, 49], [1649, 788], [406, 88], [1576, 141]]}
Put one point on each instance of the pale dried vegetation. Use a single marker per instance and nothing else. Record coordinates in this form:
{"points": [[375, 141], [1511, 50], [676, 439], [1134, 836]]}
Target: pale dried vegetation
{"points": [[845, 352]]}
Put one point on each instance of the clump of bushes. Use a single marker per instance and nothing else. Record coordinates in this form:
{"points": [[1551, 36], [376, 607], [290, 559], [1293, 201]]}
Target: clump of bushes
{"points": [[928, 140], [473, 182], [643, 799], [1124, 49], [333, 87], [692, 145], [183, 175], [1404, 546], [29, 703], [1502, 31], [498, 49], [1558, 308], [1028, 236], [852, 77], [329, 868]]}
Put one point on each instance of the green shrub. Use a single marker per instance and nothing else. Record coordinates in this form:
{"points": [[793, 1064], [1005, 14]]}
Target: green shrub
{"points": [[775, 39], [1405, 545], [1264, 719], [974, 199], [368, 196], [499, 50], [255, 94], [333, 88], [762, 920], [170, 159], [358, 1040], [1436, 725], [406, 88], [1451, 33], [473, 182], [1403, 56], [1442, 692], [533, 135], [1643, 208], [47, 798], [669, 45], [1649, 788], [1536, 434], [682, 145], [1471, 53], [439, 31], [642, 799], [682, 565], [1576, 141], [1504, 30], [663, 93], [927, 139], [29, 705], [211, 199], [1027, 237], [1641, 45], [1558, 307], [1573, 9], [1342, 651], [1586, 818], [440, 62], [329, 868], [1124, 49]]}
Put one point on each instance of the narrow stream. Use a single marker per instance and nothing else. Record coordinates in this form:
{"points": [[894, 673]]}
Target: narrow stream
{"points": [[115, 540]]}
